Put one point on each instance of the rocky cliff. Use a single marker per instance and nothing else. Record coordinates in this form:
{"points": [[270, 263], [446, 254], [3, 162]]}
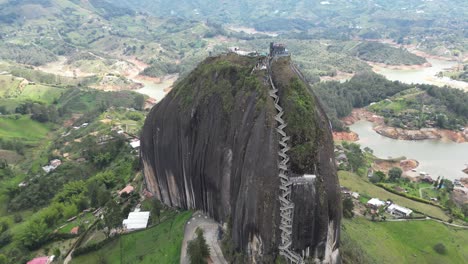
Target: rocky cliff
{"points": [[212, 145]]}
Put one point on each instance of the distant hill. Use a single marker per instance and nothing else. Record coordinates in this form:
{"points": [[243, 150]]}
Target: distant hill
{"points": [[382, 53]]}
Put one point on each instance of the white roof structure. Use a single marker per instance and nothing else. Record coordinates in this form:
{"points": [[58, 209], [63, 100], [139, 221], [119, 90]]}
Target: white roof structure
{"points": [[136, 220], [309, 176], [135, 144], [376, 202], [403, 210]]}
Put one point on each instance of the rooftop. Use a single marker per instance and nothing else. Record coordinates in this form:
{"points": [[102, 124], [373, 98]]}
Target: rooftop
{"points": [[135, 144], [128, 189], [41, 260], [404, 210], [376, 202], [136, 220], [75, 230]]}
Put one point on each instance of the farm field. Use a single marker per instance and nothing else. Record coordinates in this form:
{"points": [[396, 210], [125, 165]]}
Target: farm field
{"points": [[408, 242]]}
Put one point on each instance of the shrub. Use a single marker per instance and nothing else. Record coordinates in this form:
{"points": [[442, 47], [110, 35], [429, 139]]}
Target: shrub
{"points": [[348, 207], [440, 248]]}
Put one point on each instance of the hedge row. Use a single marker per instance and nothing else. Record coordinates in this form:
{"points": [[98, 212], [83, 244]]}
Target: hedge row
{"points": [[93, 247]]}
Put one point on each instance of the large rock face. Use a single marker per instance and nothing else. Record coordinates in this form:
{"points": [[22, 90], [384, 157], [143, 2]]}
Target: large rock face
{"points": [[212, 145]]}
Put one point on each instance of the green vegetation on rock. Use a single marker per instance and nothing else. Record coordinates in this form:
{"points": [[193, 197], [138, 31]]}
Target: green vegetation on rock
{"points": [[224, 76]]}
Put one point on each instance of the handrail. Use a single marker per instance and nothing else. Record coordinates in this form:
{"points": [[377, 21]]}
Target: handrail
{"points": [[287, 206]]}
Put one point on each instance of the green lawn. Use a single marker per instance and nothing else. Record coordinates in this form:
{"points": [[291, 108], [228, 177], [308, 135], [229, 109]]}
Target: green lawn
{"points": [[159, 244], [411, 188], [408, 242], [361, 185], [41, 93], [8, 85], [86, 219], [23, 128]]}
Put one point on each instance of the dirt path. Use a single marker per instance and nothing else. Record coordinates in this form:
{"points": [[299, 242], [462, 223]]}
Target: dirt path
{"points": [[420, 191], [68, 258], [427, 219], [210, 229]]}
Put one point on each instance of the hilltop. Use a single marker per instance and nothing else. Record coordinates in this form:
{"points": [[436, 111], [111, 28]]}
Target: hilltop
{"points": [[201, 146]]}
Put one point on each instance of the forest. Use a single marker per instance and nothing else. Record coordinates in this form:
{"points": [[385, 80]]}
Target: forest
{"points": [[339, 99]]}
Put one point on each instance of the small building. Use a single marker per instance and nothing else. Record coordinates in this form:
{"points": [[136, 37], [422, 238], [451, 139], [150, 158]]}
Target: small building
{"points": [[399, 211], [278, 49], [355, 195], [127, 190], [375, 203], [241, 52], [136, 220], [53, 164], [345, 190], [135, 144], [342, 158], [75, 230], [42, 260]]}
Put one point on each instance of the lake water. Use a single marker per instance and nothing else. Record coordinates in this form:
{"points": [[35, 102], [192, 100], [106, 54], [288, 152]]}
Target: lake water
{"points": [[156, 90], [424, 75], [436, 157]]}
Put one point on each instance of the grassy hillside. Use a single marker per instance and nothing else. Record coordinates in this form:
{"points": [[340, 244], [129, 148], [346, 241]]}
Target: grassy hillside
{"points": [[159, 244], [24, 128], [360, 185], [408, 242]]}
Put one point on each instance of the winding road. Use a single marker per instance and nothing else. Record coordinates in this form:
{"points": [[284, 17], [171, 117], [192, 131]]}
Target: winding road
{"points": [[210, 231]]}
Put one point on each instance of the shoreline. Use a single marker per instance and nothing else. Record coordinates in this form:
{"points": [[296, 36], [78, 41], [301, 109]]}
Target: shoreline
{"points": [[377, 66], [399, 133]]}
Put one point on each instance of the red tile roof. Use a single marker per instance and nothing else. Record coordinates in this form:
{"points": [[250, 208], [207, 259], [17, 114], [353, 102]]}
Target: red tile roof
{"points": [[127, 190], [75, 230]]}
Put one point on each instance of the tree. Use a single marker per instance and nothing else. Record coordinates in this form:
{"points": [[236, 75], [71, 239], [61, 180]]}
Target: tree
{"points": [[112, 216], [103, 196], [197, 249], [57, 252], [440, 248], [348, 207], [3, 259], [378, 176], [394, 174], [355, 156], [448, 184], [139, 101], [156, 208], [465, 209], [34, 234]]}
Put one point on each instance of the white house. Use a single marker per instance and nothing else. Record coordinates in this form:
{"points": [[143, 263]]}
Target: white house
{"points": [[397, 210], [375, 203]]}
